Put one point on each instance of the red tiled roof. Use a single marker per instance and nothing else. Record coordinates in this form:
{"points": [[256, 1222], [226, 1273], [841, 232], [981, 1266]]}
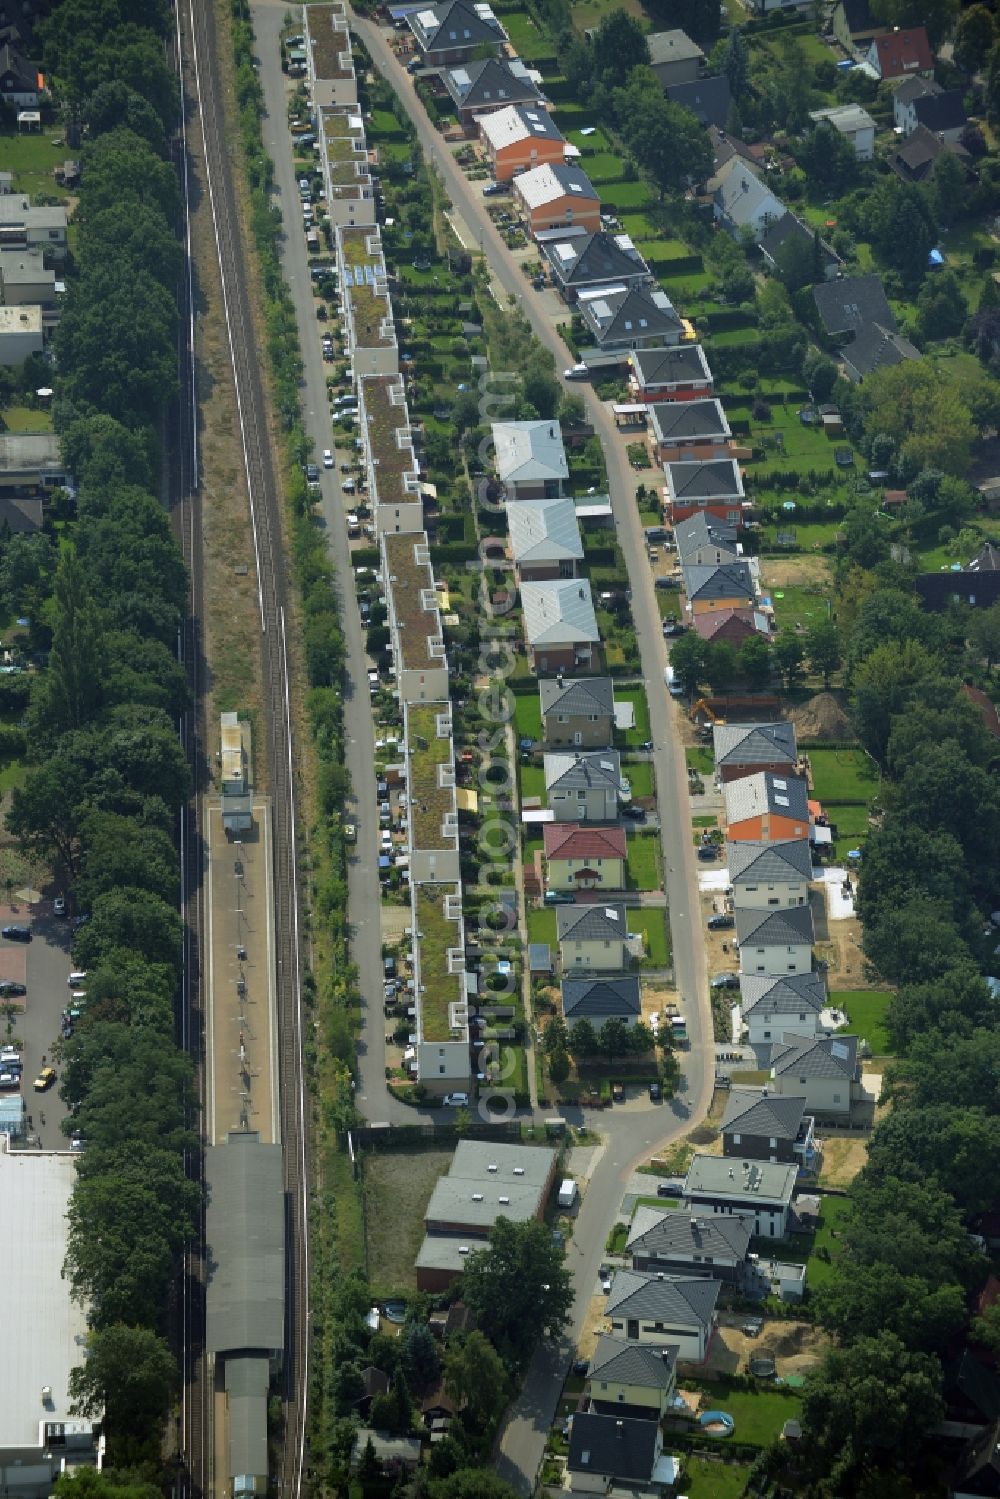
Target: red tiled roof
{"points": [[563, 840], [903, 52], [729, 623]]}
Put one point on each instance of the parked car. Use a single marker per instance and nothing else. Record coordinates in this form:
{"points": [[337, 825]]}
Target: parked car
{"points": [[10, 990], [707, 852], [618, 1092], [327, 458], [576, 372], [637, 814], [753, 1327], [312, 473], [655, 1093], [492, 189], [726, 981], [455, 1100], [720, 922], [17, 933], [670, 1189], [559, 898], [59, 906], [45, 1079]]}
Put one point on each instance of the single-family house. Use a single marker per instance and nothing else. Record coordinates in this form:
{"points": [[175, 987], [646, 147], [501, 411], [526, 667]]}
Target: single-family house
{"points": [[721, 1185], [709, 99], [744, 749], [714, 485], [477, 89], [922, 101], [696, 1244], [373, 1382], [454, 30], [772, 1005], [519, 137], [687, 430], [733, 625], [769, 875], [593, 937], [24, 277], [31, 465], [20, 82], [583, 785], [664, 1309], [900, 53], [601, 997], [624, 319], [544, 538], [741, 200], [855, 311], [775, 941], [581, 262], [874, 349], [854, 123], [773, 241], [631, 1378], [854, 26], [530, 459], [761, 1126], [608, 1452], [578, 712], [977, 584], [583, 858], [556, 197], [23, 227], [915, 158], [21, 332], [703, 539], [677, 373], [766, 807], [560, 626], [824, 1070], [718, 586], [674, 57]]}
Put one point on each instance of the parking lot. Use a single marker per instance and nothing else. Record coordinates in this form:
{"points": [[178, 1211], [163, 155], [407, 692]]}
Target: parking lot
{"points": [[36, 1027]]}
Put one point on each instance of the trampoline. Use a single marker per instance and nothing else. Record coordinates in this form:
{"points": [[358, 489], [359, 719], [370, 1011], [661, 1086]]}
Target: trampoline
{"points": [[717, 1423]]}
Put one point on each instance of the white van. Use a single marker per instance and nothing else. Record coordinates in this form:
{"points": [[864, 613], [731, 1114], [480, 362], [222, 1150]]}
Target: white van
{"points": [[567, 1193], [673, 686], [76, 979]]}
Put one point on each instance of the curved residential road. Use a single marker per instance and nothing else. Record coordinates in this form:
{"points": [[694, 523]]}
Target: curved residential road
{"points": [[364, 895], [632, 1133]]}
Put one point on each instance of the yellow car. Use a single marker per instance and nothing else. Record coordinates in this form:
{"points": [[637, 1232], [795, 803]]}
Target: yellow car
{"points": [[45, 1079]]}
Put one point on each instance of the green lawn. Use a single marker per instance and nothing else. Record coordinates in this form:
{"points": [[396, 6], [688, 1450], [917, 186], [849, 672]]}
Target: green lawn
{"points": [[643, 865], [843, 775], [813, 537], [604, 166], [705, 1480], [851, 820], [526, 38], [531, 781], [701, 759], [795, 604], [832, 1215], [542, 925], [25, 419], [624, 195], [589, 145], [759, 1414], [31, 158], [640, 732], [652, 922], [640, 777], [789, 444], [528, 715], [865, 1010]]}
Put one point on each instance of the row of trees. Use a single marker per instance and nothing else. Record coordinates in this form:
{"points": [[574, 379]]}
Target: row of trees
{"points": [[108, 776], [906, 1270]]}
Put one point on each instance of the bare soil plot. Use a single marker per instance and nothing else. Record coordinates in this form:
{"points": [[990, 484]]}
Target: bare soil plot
{"points": [[822, 717], [397, 1188], [796, 1347], [842, 1160]]}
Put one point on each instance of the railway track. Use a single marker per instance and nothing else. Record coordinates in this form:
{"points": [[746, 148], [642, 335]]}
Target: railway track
{"points": [[198, 44]]}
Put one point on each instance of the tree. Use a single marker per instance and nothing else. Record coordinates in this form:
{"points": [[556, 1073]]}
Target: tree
{"points": [[472, 1483], [129, 1376], [87, 1483], [941, 309], [640, 1038], [583, 1039], [866, 1405], [619, 45], [820, 374], [475, 1378], [789, 654], [71, 691], [420, 1357], [559, 1065], [984, 634], [929, 422], [912, 244], [555, 1036], [113, 104], [720, 665], [975, 36], [541, 391], [755, 662], [666, 139], [121, 851], [133, 919], [519, 1290], [828, 158], [736, 63], [823, 649], [613, 1037], [688, 657]]}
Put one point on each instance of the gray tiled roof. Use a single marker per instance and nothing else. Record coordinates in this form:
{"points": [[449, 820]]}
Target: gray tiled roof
{"points": [[582, 770], [715, 478], [600, 997], [763, 792], [577, 695], [544, 531], [633, 1363], [793, 995], [727, 580], [680, 364], [622, 1447], [701, 531], [620, 314], [753, 1111], [788, 859], [679, 1235], [594, 259], [853, 302], [597, 923], [681, 1299], [707, 98], [493, 80], [815, 1056], [754, 743], [442, 27], [677, 421], [672, 46], [771, 928]]}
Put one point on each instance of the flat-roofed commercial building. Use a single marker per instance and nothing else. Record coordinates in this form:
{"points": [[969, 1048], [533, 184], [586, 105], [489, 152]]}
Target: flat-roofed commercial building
{"points": [[45, 1330]]}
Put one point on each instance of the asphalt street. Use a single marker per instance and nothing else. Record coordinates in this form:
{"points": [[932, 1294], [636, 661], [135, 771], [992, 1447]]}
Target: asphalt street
{"points": [[364, 896], [37, 1027], [632, 1132]]}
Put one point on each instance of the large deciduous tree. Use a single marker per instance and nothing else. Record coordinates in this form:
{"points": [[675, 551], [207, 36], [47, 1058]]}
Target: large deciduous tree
{"points": [[519, 1289]]}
